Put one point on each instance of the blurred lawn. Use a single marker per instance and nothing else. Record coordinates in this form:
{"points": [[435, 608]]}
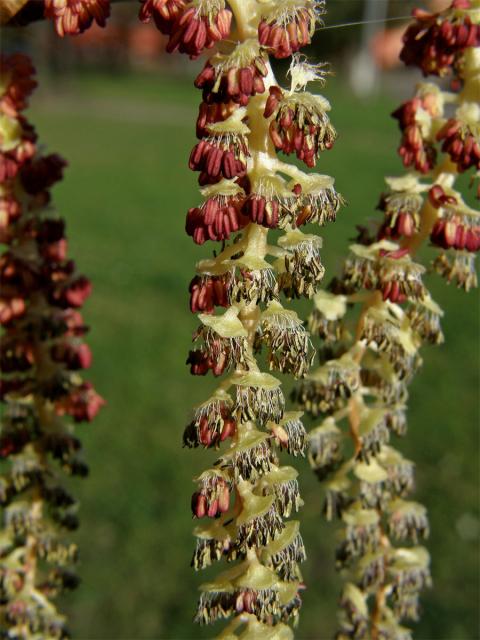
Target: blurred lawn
{"points": [[125, 197]]}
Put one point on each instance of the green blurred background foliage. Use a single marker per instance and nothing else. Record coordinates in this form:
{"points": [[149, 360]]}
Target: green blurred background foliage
{"points": [[127, 138]]}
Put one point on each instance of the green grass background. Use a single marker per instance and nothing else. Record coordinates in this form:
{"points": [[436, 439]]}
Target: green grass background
{"points": [[125, 196]]}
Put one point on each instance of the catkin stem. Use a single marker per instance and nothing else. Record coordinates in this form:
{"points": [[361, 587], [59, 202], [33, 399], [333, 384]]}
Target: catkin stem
{"points": [[245, 12], [262, 153], [444, 174]]}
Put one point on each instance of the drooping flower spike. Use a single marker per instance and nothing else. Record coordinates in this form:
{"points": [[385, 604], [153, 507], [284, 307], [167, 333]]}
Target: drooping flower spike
{"points": [[243, 500], [369, 358], [42, 353]]}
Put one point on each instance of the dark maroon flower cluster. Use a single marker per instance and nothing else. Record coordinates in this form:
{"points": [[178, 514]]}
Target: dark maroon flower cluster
{"points": [[454, 229], [396, 283], [164, 13], [439, 198], [72, 17], [210, 433], [298, 127], [402, 215], [17, 72], [218, 157], [212, 112], [286, 33], [208, 292], [397, 226], [199, 27], [414, 149], [202, 361], [436, 41], [192, 26], [462, 143], [389, 271], [225, 83], [213, 498], [262, 211], [458, 232], [215, 219]]}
